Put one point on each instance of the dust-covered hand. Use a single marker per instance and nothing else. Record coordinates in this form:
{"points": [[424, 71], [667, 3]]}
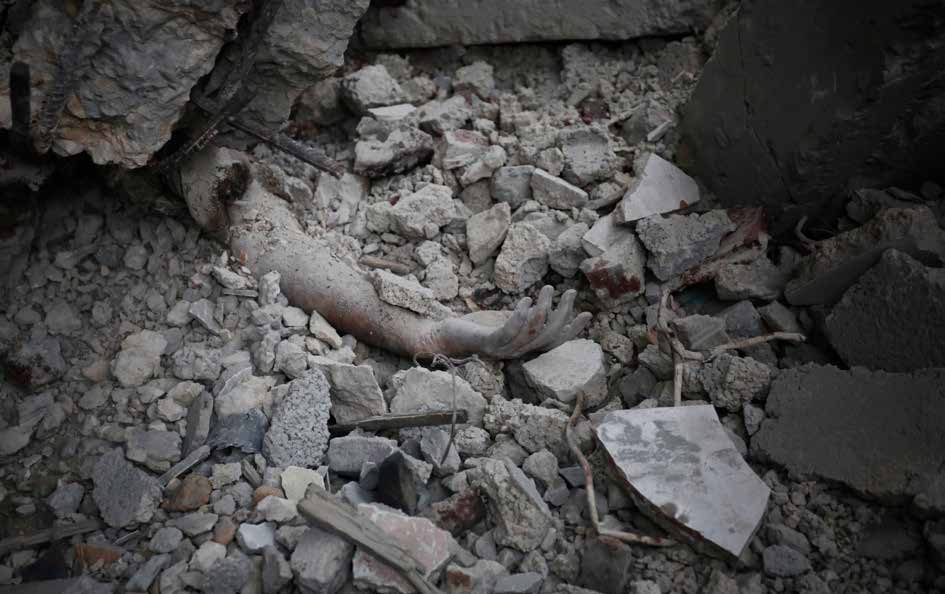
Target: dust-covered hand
{"points": [[529, 328]]}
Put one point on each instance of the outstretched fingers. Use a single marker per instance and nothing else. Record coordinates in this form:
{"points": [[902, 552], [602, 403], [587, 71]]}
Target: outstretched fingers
{"points": [[538, 326], [556, 323], [512, 327], [533, 326], [572, 330]]}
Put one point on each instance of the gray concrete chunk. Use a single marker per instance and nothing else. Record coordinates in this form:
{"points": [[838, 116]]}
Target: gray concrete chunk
{"points": [[677, 243], [523, 260], [876, 432], [513, 184], [486, 231], [575, 367], [124, 494], [893, 318], [555, 192], [616, 276], [371, 86], [588, 154], [298, 433], [355, 394]]}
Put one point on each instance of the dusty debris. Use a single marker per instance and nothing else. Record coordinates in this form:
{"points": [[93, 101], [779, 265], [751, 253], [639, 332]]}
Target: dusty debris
{"points": [[330, 515], [838, 262], [716, 504], [678, 243]]}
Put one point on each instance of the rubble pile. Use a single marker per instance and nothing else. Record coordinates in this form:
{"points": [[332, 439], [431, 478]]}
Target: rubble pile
{"points": [[154, 386]]}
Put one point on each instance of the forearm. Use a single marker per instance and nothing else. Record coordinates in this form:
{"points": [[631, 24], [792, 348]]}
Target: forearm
{"points": [[315, 280]]}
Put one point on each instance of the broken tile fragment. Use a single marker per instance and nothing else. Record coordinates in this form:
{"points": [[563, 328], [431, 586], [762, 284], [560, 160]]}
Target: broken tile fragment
{"points": [[684, 472], [659, 188]]}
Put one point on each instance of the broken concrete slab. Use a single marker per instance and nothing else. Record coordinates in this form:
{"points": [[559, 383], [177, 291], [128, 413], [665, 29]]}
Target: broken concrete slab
{"points": [[789, 159], [555, 192], [407, 293], [513, 184], [369, 87], [659, 188], [355, 394], [758, 279], [347, 455], [700, 333], [683, 471], [534, 427], [438, 117], [732, 382], [522, 517], [298, 434], [428, 545], [486, 231], [321, 562], [523, 259], [617, 275], [604, 233], [461, 148], [123, 493], [876, 432], [421, 390], [893, 318], [149, 81], [139, 358], [838, 262], [679, 242], [588, 154], [478, 77], [421, 214], [575, 367], [431, 23], [403, 149], [38, 361], [567, 252]]}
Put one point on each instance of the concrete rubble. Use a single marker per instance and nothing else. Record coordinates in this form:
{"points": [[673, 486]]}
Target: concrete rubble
{"points": [[133, 346], [892, 318], [432, 23]]}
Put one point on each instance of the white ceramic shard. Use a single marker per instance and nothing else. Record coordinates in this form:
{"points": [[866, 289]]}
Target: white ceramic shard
{"points": [[660, 187], [683, 471]]}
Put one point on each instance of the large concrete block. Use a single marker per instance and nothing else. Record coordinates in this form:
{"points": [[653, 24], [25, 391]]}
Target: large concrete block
{"points": [[430, 23], [878, 433], [893, 318], [800, 97]]}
